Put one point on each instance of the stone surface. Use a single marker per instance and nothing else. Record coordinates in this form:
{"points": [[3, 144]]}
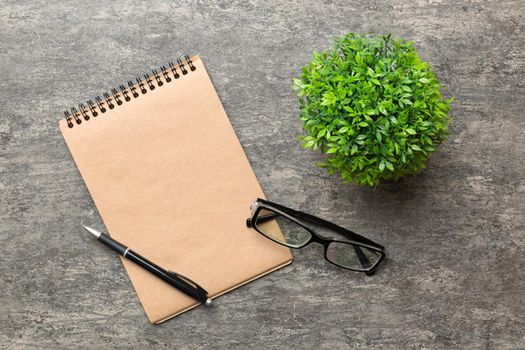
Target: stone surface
{"points": [[455, 234]]}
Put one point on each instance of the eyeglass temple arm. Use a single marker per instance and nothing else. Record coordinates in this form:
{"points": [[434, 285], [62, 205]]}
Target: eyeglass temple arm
{"points": [[361, 256], [268, 217], [261, 219], [358, 251], [315, 219]]}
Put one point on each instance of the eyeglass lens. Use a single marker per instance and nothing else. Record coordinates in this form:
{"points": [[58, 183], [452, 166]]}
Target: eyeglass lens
{"points": [[352, 256], [281, 229]]}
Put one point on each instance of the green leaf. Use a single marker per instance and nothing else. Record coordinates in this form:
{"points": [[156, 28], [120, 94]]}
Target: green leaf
{"points": [[363, 124], [332, 150], [358, 59], [310, 122], [309, 144], [328, 99], [415, 147], [410, 131]]}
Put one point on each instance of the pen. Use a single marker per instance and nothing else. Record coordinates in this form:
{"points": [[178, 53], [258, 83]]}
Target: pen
{"points": [[178, 281]]}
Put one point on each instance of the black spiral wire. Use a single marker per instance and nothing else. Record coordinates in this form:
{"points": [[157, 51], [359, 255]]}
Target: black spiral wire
{"points": [[127, 93]]}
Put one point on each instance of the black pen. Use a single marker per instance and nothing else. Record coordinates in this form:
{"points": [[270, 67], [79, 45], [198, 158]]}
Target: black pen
{"points": [[178, 281]]}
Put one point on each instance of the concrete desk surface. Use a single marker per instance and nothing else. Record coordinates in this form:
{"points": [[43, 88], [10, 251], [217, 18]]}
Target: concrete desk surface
{"points": [[455, 235]]}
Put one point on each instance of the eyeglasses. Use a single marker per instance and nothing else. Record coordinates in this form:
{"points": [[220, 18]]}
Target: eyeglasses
{"points": [[296, 229]]}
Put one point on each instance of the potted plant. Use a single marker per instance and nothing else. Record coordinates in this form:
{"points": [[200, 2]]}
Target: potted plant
{"points": [[373, 107]]}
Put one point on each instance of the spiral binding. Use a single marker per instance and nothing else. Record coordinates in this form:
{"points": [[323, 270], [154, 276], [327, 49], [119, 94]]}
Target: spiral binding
{"points": [[123, 93]]}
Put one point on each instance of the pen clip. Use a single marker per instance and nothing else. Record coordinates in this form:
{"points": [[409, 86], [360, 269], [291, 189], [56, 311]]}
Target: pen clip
{"points": [[189, 281]]}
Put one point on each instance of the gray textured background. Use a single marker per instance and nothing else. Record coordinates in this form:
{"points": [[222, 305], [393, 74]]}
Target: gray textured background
{"points": [[454, 277]]}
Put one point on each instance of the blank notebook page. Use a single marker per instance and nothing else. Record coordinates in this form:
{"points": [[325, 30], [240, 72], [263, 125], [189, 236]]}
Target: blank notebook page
{"points": [[171, 181]]}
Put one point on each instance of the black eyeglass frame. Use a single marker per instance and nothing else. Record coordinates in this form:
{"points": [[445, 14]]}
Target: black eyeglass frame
{"points": [[300, 218]]}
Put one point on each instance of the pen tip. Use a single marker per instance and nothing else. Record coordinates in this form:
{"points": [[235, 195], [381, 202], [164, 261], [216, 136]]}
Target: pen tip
{"points": [[208, 302], [92, 231]]}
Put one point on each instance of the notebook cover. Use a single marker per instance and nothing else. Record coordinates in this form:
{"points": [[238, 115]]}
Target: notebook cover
{"points": [[171, 181]]}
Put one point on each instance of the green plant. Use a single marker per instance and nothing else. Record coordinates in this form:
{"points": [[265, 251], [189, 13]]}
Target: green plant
{"points": [[373, 106]]}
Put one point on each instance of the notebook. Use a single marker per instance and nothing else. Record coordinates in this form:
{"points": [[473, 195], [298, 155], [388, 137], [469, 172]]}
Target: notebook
{"points": [[171, 181]]}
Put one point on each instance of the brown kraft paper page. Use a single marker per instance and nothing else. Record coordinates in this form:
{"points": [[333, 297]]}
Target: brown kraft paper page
{"points": [[171, 181]]}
